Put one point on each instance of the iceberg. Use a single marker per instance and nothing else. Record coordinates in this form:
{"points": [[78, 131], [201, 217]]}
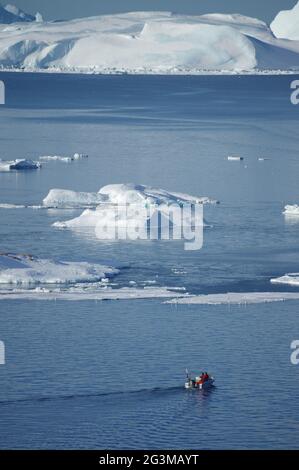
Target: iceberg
{"points": [[123, 205], [235, 298], [27, 270], [291, 210], [20, 164], [291, 279], [286, 24], [147, 42]]}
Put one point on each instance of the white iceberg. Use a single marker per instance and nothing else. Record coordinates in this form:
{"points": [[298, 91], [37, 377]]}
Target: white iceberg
{"points": [[27, 270], [19, 164], [291, 210], [236, 298], [291, 279], [286, 24], [127, 206], [147, 42]]}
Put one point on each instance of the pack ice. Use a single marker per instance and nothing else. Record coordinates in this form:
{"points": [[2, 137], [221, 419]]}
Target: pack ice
{"points": [[29, 270], [150, 42]]}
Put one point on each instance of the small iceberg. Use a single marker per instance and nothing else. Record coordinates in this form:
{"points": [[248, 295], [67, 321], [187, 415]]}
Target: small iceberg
{"points": [[291, 210], [291, 279], [27, 270], [233, 158], [61, 158], [20, 164]]}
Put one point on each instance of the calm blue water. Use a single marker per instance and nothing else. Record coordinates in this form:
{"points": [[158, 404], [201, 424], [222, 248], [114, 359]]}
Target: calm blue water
{"points": [[110, 374]]}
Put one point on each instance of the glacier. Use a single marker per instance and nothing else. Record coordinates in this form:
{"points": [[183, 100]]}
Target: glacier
{"points": [[149, 42]]}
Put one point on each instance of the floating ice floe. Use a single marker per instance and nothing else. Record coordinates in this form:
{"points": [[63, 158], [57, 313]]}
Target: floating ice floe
{"points": [[11, 206], [54, 158], [291, 279], [77, 294], [236, 298], [19, 164], [232, 158], [291, 210], [61, 158], [28, 270]]}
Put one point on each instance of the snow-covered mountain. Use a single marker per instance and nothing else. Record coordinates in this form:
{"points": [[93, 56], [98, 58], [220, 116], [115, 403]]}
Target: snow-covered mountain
{"points": [[12, 14], [148, 42]]}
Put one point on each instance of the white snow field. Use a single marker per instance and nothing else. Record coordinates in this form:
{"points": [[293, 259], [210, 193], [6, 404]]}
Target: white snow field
{"points": [[291, 279], [20, 164], [286, 24], [149, 42], [27, 270], [291, 210], [236, 298]]}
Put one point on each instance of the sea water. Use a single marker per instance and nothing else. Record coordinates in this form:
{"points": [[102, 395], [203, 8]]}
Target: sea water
{"points": [[92, 374]]}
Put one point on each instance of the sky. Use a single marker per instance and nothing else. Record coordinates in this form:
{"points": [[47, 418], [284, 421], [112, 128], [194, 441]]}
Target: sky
{"points": [[65, 9]]}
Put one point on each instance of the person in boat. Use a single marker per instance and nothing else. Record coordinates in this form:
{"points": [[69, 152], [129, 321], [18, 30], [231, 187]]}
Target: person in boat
{"points": [[206, 377]]}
